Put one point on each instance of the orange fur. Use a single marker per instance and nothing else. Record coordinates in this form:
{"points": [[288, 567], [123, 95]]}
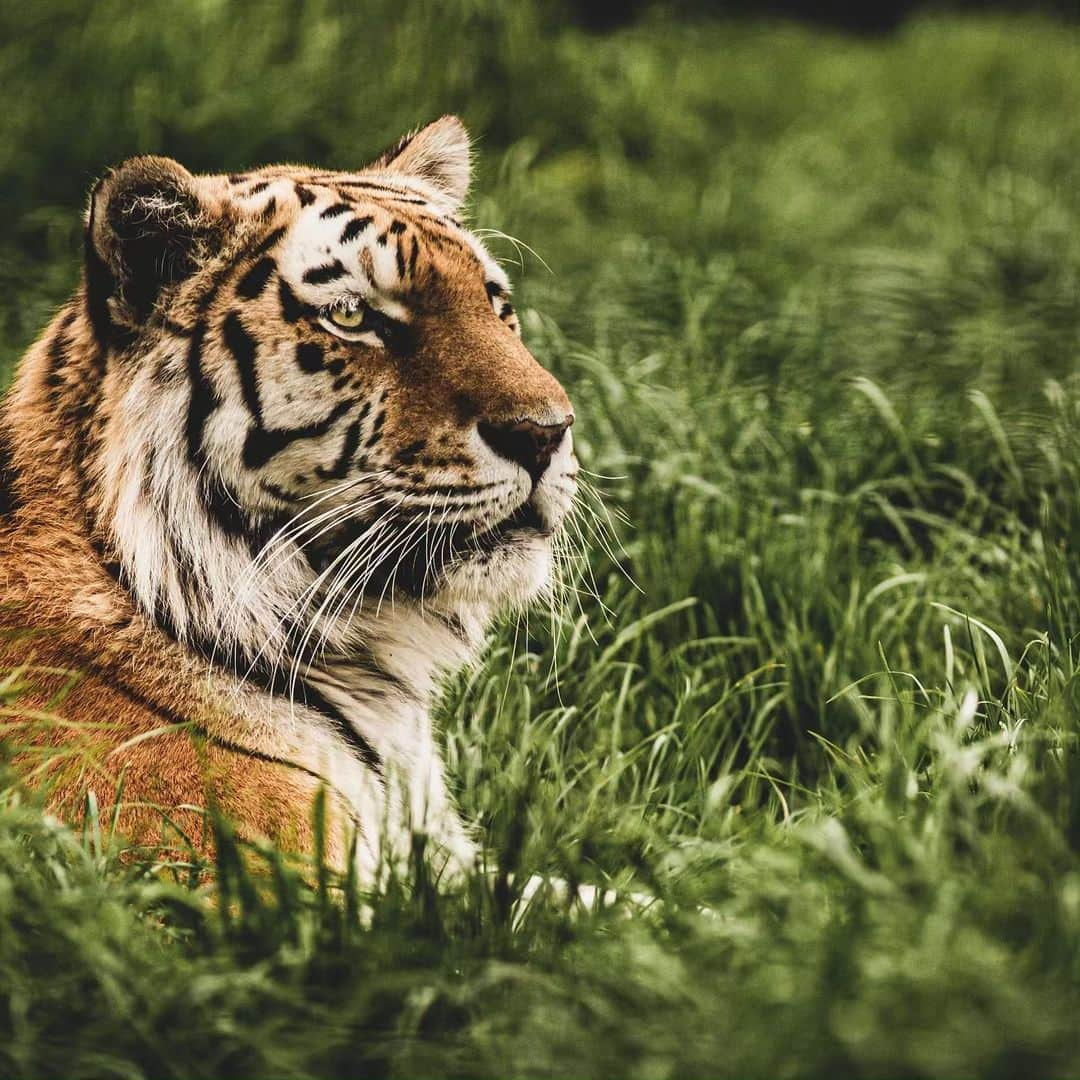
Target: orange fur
{"points": [[131, 709]]}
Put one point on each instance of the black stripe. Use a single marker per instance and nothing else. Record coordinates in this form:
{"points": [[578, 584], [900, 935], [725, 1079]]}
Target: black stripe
{"points": [[262, 444], [259, 755], [203, 399], [441, 225], [375, 185], [268, 241], [309, 357], [408, 454], [291, 307], [389, 193], [240, 343], [494, 289], [305, 196], [392, 153], [355, 228], [190, 586], [404, 199], [446, 240], [400, 263], [278, 492], [315, 699], [413, 257], [254, 281], [174, 719], [176, 328], [268, 211], [210, 295], [262, 185], [223, 505], [319, 275], [337, 210], [397, 228], [108, 564], [376, 428], [220, 503], [348, 447]]}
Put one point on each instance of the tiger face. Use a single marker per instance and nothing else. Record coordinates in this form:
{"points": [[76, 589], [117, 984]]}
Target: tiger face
{"points": [[323, 360]]}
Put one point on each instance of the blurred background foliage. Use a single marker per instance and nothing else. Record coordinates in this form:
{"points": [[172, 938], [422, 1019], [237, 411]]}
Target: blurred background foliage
{"points": [[817, 299]]}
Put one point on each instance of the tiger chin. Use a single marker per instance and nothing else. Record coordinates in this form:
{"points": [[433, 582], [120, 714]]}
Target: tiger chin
{"points": [[266, 478]]}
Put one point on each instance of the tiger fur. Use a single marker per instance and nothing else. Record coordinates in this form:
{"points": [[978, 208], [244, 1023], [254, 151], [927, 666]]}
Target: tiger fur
{"points": [[264, 479]]}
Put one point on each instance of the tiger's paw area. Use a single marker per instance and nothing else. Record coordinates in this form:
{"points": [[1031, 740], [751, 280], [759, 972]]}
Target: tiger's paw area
{"points": [[815, 689]]}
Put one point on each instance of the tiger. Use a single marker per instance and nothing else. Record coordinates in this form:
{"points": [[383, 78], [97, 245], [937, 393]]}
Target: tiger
{"points": [[267, 480]]}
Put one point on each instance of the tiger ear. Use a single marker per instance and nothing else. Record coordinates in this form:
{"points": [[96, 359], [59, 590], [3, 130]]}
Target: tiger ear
{"points": [[147, 227], [437, 154]]}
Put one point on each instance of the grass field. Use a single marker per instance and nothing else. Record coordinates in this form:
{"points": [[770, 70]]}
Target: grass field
{"points": [[817, 302]]}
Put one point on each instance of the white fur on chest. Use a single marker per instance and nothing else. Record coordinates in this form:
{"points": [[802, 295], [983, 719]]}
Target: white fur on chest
{"points": [[387, 704]]}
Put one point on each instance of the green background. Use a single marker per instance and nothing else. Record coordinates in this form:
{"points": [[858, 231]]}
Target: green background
{"points": [[817, 302]]}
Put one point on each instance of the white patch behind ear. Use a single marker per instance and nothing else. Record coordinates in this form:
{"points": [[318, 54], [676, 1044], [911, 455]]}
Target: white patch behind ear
{"points": [[437, 154]]}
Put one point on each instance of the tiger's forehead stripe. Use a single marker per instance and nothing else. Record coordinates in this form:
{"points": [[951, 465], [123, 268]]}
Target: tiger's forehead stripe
{"points": [[372, 245], [371, 237], [338, 244]]}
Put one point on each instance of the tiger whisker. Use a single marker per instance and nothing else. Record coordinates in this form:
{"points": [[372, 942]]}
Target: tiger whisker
{"points": [[335, 517]]}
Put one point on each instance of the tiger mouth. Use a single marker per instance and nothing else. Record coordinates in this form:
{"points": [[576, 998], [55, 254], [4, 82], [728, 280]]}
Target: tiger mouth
{"points": [[524, 522], [433, 557]]}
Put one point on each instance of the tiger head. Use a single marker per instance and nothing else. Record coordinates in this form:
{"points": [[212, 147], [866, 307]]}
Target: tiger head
{"points": [[319, 375]]}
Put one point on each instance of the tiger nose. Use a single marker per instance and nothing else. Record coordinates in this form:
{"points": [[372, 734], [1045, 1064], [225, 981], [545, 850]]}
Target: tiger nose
{"points": [[525, 442]]}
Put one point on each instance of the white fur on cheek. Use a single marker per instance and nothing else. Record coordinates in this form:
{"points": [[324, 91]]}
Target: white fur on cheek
{"points": [[511, 577]]}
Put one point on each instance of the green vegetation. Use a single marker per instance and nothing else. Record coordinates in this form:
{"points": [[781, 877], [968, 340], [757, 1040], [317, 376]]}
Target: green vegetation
{"points": [[818, 304]]}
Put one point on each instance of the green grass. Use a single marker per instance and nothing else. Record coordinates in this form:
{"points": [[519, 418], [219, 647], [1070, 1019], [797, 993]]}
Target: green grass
{"points": [[817, 302]]}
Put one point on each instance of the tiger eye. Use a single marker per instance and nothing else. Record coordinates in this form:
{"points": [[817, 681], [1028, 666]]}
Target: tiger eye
{"points": [[347, 319]]}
